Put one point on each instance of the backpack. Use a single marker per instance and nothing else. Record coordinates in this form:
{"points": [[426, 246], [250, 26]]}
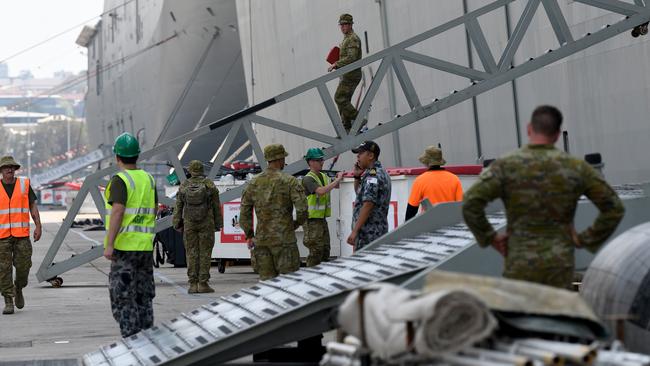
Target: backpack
{"points": [[196, 201]]}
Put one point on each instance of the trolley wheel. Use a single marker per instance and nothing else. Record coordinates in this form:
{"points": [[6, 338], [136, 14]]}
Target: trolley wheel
{"points": [[56, 282], [221, 266]]}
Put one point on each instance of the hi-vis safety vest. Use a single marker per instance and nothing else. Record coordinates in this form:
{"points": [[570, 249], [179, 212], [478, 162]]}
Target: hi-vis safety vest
{"points": [[14, 211], [137, 229], [319, 206]]}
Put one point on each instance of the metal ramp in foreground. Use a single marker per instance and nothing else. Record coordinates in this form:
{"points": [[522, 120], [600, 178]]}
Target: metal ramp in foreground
{"points": [[299, 305], [496, 71]]}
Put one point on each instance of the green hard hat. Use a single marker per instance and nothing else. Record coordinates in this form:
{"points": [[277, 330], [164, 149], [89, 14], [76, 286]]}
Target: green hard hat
{"points": [[346, 19], [126, 145], [195, 168], [314, 153], [275, 152]]}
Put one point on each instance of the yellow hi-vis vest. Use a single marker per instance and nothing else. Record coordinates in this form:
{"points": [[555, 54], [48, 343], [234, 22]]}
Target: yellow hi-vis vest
{"points": [[137, 229], [319, 206]]}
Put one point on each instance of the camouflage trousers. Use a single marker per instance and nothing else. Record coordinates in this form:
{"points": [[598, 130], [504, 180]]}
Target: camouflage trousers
{"points": [[544, 260], [317, 240], [560, 277], [198, 251], [132, 289], [343, 97], [272, 261], [14, 252]]}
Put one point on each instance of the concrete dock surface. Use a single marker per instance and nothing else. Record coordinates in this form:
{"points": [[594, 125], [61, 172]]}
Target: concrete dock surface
{"points": [[65, 323]]}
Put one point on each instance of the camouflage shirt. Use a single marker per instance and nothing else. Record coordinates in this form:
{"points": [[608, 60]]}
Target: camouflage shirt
{"points": [[540, 187], [350, 52], [273, 195], [212, 222], [375, 187]]}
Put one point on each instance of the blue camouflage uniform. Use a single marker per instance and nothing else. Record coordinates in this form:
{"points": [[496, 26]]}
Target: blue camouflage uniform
{"points": [[375, 187]]}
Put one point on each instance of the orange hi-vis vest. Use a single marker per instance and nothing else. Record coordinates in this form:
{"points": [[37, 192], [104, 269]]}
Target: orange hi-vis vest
{"points": [[14, 211]]}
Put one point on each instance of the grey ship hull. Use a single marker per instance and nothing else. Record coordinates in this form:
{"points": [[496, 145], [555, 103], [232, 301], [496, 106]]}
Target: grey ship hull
{"points": [[159, 69]]}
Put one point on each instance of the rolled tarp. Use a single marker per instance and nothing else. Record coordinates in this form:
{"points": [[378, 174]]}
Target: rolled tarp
{"points": [[392, 321]]}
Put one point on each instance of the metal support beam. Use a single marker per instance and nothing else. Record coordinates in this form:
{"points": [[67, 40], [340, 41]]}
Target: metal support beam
{"points": [[172, 154], [446, 66], [331, 110], [406, 83], [614, 6], [99, 202], [481, 45], [364, 109], [294, 130], [225, 150], [255, 143], [555, 16], [518, 34]]}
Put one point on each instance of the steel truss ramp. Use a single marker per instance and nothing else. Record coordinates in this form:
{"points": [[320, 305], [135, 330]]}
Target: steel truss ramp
{"points": [[497, 71], [301, 304]]}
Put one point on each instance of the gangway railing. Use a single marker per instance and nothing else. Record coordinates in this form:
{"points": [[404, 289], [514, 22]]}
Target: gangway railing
{"points": [[496, 72]]}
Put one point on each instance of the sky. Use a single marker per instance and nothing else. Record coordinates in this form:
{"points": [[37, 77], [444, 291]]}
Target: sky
{"points": [[24, 23]]}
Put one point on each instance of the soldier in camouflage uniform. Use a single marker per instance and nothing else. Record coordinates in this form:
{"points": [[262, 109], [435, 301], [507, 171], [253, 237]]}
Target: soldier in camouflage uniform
{"points": [[273, 195], [198, 215], [540, 187], [373, 187], [15, 246], [350, 52]]}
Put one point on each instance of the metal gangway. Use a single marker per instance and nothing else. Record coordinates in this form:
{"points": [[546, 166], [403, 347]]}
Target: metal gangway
{"points": [[496, 72]]}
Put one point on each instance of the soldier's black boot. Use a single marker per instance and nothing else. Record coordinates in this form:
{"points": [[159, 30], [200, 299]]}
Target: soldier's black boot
{"points": [[20, 300], [9, 306]]}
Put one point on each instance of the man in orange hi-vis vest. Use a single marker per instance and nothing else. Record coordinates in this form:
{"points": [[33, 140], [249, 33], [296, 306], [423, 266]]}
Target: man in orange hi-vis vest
{"points": [[17, 202]]}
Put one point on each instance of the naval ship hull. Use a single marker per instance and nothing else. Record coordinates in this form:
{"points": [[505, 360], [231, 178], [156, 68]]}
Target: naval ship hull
{"points": [[159, 69]]}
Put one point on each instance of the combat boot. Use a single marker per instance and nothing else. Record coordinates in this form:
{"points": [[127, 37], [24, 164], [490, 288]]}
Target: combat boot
{"points": [[20, 300], [193, 288], [9, 306], [204, 288]]}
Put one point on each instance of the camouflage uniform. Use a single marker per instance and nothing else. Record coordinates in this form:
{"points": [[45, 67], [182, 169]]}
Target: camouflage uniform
{"points": [[540, 187], [273, 195], [198, 236], [131, 290], [14, 252], [350, 52], [376, 188]]}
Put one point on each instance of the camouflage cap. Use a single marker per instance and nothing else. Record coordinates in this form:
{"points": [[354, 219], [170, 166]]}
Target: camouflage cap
{"points": [[8, 161], [432, 156], [345, 19], [274, 152], [195, 168]]}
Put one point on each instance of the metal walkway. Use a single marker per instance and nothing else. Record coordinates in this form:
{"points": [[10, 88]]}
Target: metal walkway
{"points": [[299, 305], [496, 71]]}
